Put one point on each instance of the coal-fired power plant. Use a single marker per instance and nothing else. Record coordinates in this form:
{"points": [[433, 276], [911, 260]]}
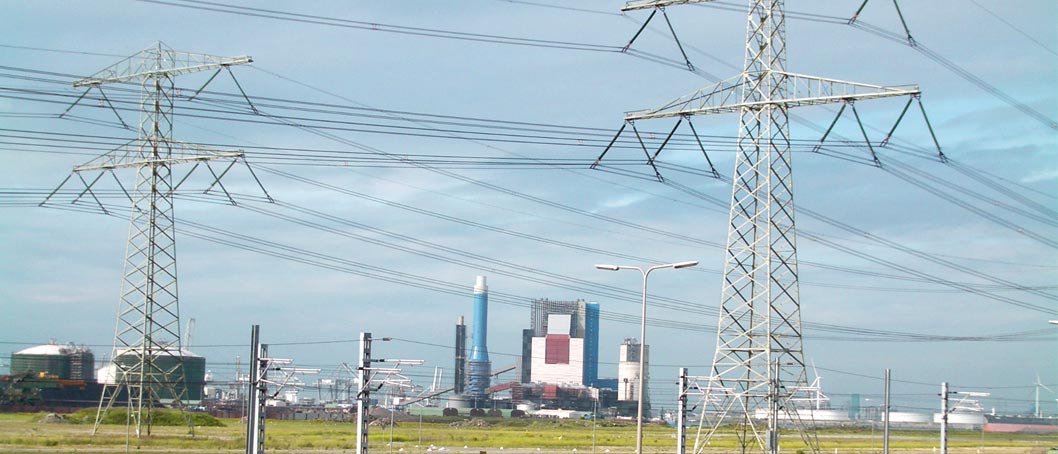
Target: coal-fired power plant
{"points": [[478, 366]]}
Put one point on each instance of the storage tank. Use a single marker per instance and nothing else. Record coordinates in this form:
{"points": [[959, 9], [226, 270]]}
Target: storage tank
{"points": [[67, 362], [969, 419], [903, 417], [168, 361]]}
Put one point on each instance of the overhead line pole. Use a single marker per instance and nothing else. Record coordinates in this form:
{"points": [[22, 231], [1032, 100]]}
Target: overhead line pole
{"points": [[759, 357]]}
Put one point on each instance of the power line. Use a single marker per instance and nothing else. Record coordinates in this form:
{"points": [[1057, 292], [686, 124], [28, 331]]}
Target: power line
{"points": [[1015, 28]]}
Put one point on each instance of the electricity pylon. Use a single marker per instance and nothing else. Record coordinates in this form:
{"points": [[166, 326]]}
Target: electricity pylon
{"points": [[758, 365], [147, 358]]}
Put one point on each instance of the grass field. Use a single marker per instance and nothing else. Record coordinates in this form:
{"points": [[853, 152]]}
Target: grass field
{"points": [[28, 433]]}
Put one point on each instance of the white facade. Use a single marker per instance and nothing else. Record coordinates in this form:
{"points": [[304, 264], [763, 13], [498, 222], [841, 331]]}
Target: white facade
{"points": [[569, 373], [628, 370]]}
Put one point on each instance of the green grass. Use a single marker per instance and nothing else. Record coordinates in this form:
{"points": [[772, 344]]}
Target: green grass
{"points": [[27, 432]]}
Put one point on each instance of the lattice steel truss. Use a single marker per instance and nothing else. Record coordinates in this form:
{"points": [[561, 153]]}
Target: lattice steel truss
{"points": [[758, 365], [147, 358]]}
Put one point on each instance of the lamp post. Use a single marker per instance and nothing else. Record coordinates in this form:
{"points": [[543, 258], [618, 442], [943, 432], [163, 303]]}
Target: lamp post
{"points": [[643, 335]]}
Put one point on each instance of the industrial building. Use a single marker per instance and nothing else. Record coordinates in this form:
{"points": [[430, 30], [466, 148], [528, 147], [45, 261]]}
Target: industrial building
{"points": [[557, 357], [573, 330]]}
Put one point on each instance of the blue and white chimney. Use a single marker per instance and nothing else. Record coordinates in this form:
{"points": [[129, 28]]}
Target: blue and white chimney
{"points": [[479, 367]]}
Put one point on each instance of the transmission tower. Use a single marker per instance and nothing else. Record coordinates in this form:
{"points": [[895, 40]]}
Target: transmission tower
{"points": [[758, 365], [148, 357]]}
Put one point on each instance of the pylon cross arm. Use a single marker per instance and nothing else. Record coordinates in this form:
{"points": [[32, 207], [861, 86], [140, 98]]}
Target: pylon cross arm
{"points": [[648, 4], [131, 155], [159, 61], [800, 90]]}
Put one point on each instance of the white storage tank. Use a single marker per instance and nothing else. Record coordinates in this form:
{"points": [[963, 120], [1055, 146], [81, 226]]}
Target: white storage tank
{"points": [[906, 417], [970, 419]]}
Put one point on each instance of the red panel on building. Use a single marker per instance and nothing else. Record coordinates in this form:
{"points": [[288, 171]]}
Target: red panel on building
{"points": [[550, 392], [556, 349]]}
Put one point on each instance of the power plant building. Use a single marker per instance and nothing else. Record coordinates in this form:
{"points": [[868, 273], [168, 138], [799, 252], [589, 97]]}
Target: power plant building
{"points": [[558, 358], [562, 345]]}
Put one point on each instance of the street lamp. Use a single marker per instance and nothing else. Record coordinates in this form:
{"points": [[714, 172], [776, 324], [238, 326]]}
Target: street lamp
{"points": [[643, 335]]}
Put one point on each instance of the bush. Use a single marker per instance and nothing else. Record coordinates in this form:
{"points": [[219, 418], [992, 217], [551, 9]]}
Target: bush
{"points": [[158, 418], [477, 413], [517, 413], [450, 412], [495, 413]]}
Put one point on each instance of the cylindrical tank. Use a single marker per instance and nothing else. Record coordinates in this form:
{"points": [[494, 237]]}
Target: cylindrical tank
{"points": [[898, 417], [60, 361], [973, 419], [458, 402], [186, 371], [827, 415]]}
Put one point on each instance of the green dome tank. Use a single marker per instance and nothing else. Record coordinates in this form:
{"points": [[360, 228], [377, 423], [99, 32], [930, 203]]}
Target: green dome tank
{"points": [[186, 371]]}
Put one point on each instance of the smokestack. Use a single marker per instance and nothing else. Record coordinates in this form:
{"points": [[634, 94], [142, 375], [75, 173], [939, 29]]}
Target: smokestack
{"points": [[461, 357], [479, 351], [479, 366]]}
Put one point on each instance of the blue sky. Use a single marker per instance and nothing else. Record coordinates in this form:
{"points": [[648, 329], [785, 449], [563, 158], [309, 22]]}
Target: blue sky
{"points": [[61, 270]]}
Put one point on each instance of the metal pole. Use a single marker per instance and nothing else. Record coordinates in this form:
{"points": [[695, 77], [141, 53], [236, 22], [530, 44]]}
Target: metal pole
{"points": [[594, 417], [773, 410], [364, 393], [642, 352], [253, 404], [944, 418], [681, 415], [885, 420]]}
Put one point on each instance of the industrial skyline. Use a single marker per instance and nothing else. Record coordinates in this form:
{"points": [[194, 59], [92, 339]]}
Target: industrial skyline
{"points": [[502, 201]]}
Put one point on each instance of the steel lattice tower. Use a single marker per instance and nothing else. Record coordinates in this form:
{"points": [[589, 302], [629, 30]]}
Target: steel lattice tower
{"points": [[758, 366], [148, 354]]}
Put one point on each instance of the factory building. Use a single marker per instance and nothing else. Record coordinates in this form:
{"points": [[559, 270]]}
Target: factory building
{"points": [[564, 341], [628, 373]]}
